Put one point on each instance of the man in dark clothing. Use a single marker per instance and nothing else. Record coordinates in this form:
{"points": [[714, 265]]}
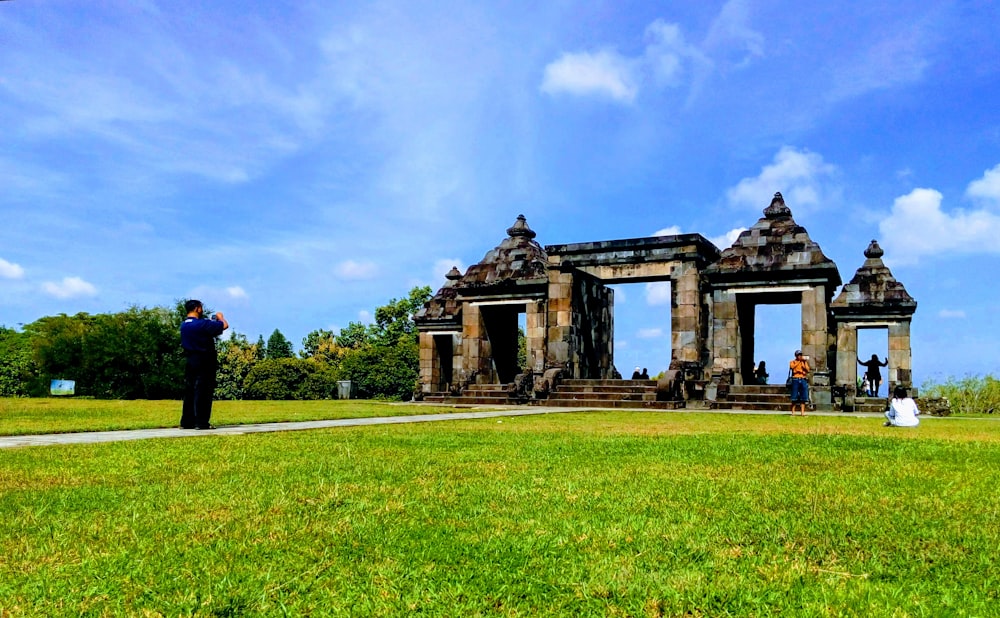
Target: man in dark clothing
{"points": [[198, 340]]}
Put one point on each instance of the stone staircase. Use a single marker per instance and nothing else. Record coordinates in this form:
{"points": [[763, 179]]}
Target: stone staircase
{"points": [[610, 394], [635, 394], [755, 397]]}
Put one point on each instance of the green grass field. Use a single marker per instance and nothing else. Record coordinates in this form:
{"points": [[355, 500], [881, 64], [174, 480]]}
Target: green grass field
{"points": [[618, 514], [57, 415]]}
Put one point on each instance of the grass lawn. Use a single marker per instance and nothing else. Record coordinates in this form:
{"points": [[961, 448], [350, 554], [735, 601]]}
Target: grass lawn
{"points": [[56, 415], [606, 513]]}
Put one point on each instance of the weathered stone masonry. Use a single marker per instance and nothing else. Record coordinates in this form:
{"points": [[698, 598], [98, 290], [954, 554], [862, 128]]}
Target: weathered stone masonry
{"points": [[468, 330]]}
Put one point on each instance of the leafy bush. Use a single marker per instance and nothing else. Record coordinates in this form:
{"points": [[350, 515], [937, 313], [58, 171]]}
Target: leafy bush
{"points": [[382, 372], [969, 395], [289, 378]]}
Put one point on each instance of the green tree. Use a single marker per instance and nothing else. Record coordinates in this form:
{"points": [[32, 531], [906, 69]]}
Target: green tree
{"points": [[289, 378], [354, 336], [321, 345], [128, 355], [237, 357], [394, 321], [18, 372], [278, 346], [382, 372]]}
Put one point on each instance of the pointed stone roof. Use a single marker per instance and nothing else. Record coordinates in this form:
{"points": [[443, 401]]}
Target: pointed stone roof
{"points": [[516, 264], [775, 248], [873, 292], [443, 308]]}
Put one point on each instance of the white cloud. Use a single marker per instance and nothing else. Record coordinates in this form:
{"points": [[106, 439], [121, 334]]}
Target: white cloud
{"points": [[951, 314], [668, 56], [673, 230], [356, 271], [726, 240], [649, 333], [987, 187], [917, 226], [893, 61], [441, 268], [802, 177], [69, 287], [604, 73], [9, 270], [237, 292], [658, 293], [730, 34], [365, 316]]}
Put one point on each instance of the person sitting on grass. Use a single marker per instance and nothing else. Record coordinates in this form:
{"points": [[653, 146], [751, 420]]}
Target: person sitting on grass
{"points": [[902, 410]]}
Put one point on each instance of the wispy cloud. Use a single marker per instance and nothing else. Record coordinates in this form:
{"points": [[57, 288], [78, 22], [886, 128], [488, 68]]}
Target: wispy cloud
{"points": [[951, 314], [69, 287], [649, 333], [9, 270], [658, 293], [668, 59], [803, 178], [895, 60], [356, 271]]}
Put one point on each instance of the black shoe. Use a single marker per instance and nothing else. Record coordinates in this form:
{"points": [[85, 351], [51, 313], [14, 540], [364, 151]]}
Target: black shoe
{"points": [[206, 427]]}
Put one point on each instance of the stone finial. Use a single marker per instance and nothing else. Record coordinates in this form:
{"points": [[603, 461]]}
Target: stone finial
{"points": [[777, 208], [873, 250], [520, 228], [454, 274]]}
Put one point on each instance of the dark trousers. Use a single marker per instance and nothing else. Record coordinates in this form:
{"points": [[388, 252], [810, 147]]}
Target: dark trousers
{"points": [[199, 389]]}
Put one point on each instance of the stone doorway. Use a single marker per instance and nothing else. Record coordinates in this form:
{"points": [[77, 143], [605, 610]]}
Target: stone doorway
{"points": [[501, 322], [777, 334]]}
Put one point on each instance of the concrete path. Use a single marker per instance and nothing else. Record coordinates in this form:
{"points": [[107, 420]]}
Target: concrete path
{"points": [[93, 437]]}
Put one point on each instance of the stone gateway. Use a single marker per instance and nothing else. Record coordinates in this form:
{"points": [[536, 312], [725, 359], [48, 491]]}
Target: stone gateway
{"points": [[469, 340]]}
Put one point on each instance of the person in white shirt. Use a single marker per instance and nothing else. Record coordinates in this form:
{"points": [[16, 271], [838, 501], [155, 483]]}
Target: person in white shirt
{"points": [[902, 410]]}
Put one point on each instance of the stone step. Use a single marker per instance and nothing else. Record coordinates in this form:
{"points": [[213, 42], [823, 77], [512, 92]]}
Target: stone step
{"points": [[611, 404], [759, 398], [598, 388], [577, 382], [756, 389], [613, 396]]}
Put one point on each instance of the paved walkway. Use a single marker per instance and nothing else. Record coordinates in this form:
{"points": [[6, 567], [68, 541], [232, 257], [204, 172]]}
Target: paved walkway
{"points": [[93, 437]]}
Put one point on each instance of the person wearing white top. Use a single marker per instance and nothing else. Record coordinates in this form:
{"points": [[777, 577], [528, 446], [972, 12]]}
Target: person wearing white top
{"points": [[902, 410]]}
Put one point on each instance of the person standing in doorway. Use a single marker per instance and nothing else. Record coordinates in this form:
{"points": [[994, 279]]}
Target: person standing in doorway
{"points": [[799, 368], [198, 340], [873, 374]]}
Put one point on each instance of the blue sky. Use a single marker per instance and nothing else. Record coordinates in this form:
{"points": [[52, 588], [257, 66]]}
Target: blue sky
{"points": [[296, 164]]}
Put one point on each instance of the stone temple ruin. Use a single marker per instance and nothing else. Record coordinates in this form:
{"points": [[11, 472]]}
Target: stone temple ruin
{"points": [[469, 343]]}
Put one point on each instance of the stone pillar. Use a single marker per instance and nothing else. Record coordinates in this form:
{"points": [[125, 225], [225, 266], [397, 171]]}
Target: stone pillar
{"points": [[429, 366], [725, 332], [685, 314], [814, 327], [847, 354], [535, 321], [900, 355], [476, 352], [847, 362], [559, 321]]}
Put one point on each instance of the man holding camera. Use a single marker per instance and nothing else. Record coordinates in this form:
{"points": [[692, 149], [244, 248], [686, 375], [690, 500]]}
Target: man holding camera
{"points": [[198, 340]]}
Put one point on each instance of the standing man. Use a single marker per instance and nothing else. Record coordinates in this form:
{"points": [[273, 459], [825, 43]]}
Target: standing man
{"points": [[198, 340], [799, 368]]}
